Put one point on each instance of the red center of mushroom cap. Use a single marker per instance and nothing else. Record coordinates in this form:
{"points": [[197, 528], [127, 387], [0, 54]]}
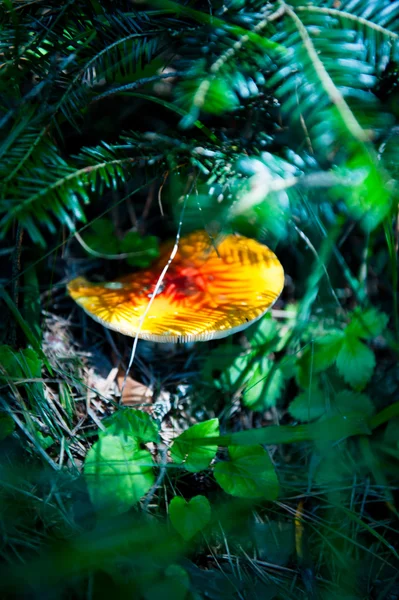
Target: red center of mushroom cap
{"points": [[182, 283], [204, 294]]}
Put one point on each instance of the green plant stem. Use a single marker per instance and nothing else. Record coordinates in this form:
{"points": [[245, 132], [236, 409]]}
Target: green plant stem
{"points": [[386, 414]]}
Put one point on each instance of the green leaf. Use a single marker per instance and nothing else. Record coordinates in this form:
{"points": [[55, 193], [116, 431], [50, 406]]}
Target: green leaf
{"points": [[7, 425], [314, 404], [195, 457], [264, 332], [355, 362], [248, 474], [242, 368], [367, 324], [347, 402], [147, 248], [264, 386], [46, 441], [117, 473], [188, 518], [101, 237], [309, 405], [132, 424], [326, 350], [318, 357]]}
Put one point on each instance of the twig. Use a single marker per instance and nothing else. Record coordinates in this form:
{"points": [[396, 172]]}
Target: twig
{"points": [[135, 84], [93, 252], [162, 472], [156, 290]]}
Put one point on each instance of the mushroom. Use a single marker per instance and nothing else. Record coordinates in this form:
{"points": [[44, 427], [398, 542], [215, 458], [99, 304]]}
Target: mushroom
{"points": [[206, 293]]}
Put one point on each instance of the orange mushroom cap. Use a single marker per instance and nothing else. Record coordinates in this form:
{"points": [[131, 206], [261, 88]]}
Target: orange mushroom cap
{"points": [[205, 294]]}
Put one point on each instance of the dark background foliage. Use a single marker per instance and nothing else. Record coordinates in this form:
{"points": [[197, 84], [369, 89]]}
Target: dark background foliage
{"points": [[118, 121]]}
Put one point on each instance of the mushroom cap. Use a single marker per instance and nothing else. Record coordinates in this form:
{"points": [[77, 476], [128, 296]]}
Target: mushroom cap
{"points": [[204, 295]]}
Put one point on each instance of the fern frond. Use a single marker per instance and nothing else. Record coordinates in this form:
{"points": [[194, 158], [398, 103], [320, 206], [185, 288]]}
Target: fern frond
{"points": [[376, 24], [54, 189], [314, 78]]}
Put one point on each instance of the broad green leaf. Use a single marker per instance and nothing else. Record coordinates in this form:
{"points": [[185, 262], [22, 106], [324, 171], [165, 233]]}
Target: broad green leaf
{"points": [[326, 350], [173, 583], [195, 457], [355, 362], [239, 371], [46, 441], [287, 366], [367, 324], [132, 424], [309, 405], [313, 404], [7, 425], [263, 333], [248, 474], [101, 237], [188, 518], [264, 386], [347, 402], [147, 248], [117, 473], [318, 357]]}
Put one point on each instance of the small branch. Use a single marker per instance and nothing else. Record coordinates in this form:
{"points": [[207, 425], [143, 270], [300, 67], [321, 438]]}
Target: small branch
{"points": [[135, 84], [93, 252], [157, 287], [162, 472]]}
